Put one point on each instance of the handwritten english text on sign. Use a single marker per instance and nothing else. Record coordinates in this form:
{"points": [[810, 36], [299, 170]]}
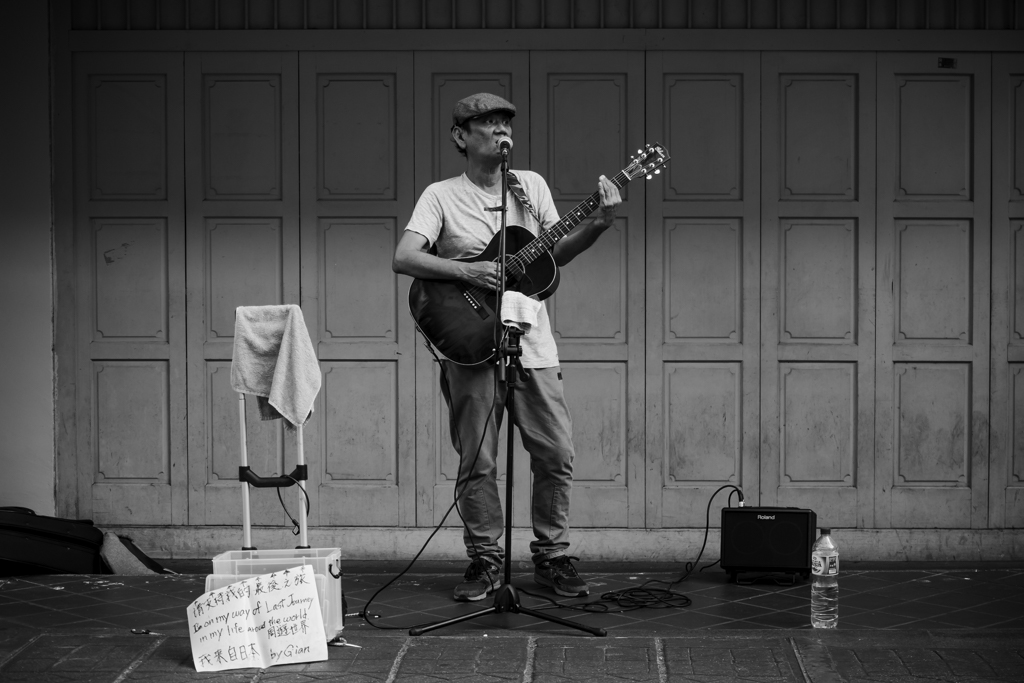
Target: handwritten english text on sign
{"points": [[259, 622]]}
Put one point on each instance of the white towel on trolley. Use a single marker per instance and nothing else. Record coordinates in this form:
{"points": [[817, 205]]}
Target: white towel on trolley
{"points": [[274, 359], [519, 311]]}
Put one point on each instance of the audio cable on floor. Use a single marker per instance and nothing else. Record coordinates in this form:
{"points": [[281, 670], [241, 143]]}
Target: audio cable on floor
{"points": [[645, 595], [457, 494]]}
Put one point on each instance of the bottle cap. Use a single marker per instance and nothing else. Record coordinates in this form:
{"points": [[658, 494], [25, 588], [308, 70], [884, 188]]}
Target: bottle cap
{"points": [[825, 532]]}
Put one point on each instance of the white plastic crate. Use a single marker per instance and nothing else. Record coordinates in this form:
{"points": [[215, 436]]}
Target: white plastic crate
{"points": [[238, 565]]}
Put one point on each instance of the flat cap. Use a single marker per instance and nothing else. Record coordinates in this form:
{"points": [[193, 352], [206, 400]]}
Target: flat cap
{"points": [[478, 105]]}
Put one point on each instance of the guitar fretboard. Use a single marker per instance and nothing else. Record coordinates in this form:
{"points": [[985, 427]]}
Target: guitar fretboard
{"points": [[528, 254]]}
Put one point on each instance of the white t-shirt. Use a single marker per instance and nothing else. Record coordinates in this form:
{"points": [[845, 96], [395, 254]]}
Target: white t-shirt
{"points": [[452, 214]]}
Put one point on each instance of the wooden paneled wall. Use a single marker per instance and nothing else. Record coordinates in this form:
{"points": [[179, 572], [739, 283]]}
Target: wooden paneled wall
{"points": [[703, 247], [1007, 361], [129, 241], [781, 310], [934, 234], [820, 300], [818, 341]]}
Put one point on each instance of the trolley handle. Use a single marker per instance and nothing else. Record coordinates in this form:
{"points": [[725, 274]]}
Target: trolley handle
{"points": [[246, 474]]}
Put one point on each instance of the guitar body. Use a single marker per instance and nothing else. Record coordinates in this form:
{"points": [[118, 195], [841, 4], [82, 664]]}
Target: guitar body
{"points": [[458, 319]]}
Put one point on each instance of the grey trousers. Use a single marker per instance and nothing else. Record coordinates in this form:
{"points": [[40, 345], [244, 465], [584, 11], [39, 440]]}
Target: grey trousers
{"points": [[545, 426]]}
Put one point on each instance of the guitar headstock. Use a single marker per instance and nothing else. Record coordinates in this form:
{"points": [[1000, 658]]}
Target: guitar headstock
{"points": [[647, 161]]}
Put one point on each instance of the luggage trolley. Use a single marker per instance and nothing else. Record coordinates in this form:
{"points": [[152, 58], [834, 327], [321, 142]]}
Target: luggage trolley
{"points": [[237, 565]]}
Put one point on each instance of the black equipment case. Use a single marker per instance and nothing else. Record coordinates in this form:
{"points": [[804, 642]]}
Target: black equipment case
{"points": [[35, 544]]}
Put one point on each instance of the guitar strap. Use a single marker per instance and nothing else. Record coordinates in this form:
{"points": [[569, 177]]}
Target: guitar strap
{"points": [[517, 189]]}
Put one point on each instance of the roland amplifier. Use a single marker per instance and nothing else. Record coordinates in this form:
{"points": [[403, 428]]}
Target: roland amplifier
{"points": [[765, 539]]}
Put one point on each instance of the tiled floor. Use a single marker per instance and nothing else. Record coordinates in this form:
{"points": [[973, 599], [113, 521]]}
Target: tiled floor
{"points": [[919, 599]]}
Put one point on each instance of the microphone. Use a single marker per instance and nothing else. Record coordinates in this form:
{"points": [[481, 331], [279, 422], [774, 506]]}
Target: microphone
{"points": [[504, 144]]}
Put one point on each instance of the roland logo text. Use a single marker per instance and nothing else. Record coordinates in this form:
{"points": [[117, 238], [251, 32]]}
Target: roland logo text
{"points": [[766, 516]]}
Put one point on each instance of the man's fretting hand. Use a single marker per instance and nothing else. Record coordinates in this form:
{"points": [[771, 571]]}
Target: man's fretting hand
{"points": [[610, 199]]}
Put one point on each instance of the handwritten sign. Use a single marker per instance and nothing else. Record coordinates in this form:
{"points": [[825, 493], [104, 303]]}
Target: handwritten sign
{"points": [[259, 622]]}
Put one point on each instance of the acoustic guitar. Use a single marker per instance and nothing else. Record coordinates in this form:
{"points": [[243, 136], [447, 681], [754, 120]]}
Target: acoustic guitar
{"points": [[457, 318]]}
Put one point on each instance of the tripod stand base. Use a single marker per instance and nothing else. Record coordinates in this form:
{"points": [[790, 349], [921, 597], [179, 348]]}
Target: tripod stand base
{"points": [[506, 599]]}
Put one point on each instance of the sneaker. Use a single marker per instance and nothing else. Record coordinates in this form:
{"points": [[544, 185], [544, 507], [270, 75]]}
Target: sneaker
{"points": [[482, 578], [559, 575]]}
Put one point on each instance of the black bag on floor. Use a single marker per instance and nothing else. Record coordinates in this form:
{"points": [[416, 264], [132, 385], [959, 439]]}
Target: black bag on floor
{"points": [[34, 544]]}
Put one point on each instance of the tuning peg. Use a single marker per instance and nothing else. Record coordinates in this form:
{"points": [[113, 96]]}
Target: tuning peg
{"points": [[657, 172], [648, 176], [639, 151]]}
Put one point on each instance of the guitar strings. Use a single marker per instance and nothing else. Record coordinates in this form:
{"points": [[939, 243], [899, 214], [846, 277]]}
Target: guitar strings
{"points": [[516, 264]]}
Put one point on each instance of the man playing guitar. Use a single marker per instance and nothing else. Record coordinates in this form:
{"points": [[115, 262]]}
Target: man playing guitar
{"points": [[452, 216]]}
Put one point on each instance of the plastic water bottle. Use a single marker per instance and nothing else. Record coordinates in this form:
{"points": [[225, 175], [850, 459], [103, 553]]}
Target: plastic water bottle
{"points": [[825, 582]]}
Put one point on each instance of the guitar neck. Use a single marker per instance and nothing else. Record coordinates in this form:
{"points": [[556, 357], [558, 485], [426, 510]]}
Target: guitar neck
{"points": [[547, 240]]}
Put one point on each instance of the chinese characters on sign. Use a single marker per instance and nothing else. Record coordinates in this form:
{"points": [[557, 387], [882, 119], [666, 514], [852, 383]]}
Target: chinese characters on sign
{"points": [[259, 622]]}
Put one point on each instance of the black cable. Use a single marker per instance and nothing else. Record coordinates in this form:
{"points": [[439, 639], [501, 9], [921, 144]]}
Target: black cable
{"points": [[295, 524], [641, 596], [627, 599], [457, 494], [365, 612], [689, 566]]}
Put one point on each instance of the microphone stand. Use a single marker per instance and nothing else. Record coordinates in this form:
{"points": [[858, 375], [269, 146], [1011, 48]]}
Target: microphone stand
{"points": [[506, 598]]}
